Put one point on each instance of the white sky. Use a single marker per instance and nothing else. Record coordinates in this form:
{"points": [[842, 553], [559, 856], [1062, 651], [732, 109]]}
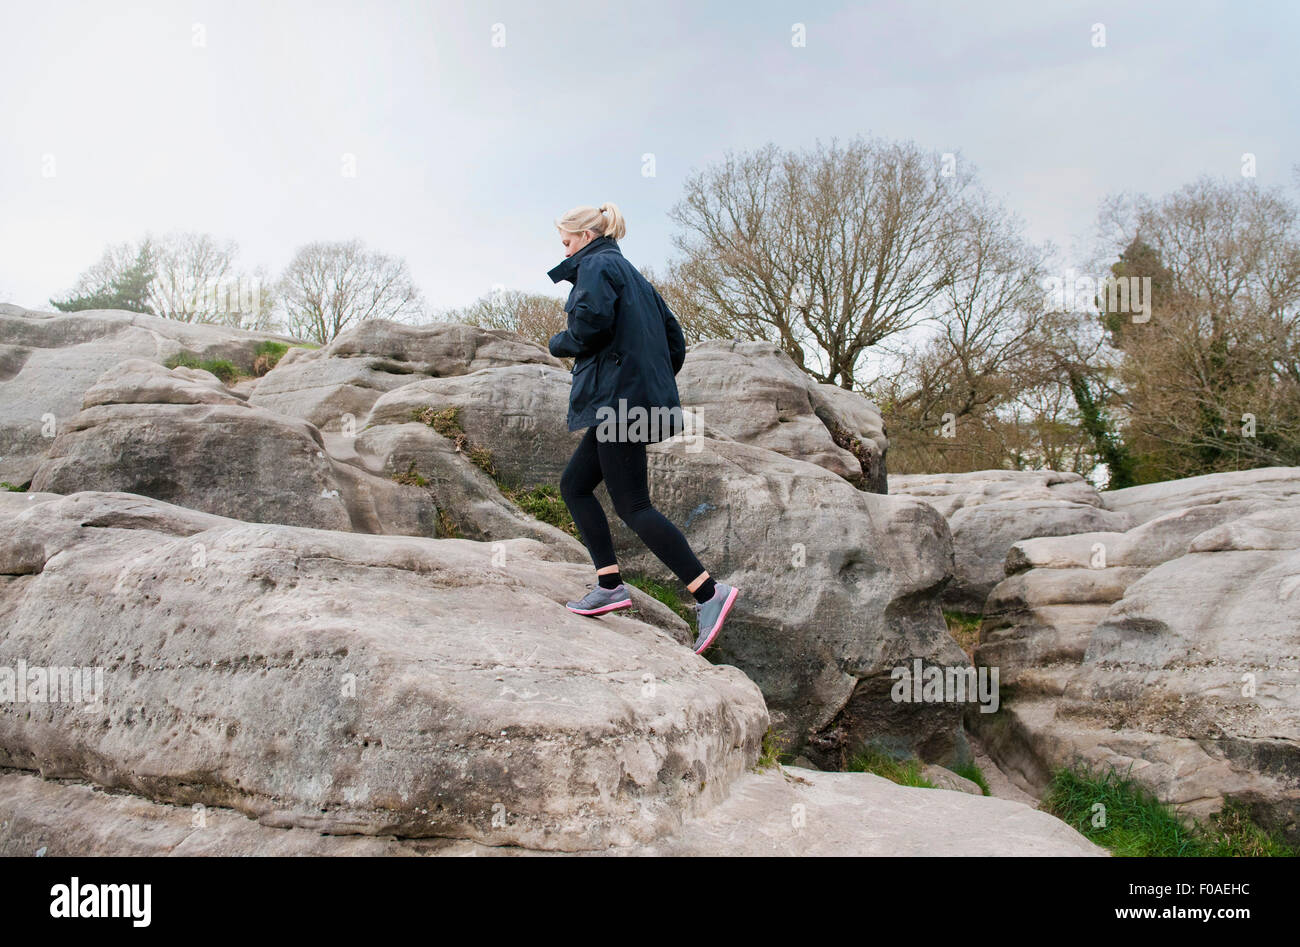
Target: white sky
{"points": [[465, 152]]}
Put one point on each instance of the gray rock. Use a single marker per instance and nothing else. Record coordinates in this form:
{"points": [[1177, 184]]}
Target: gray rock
{"points": [[990, 510], [518, 412], [375, 685], [753, 393], [335, 386], [1167, 651], [943, 778], [1156, 499], [775, 813], [200, 446], [48, 360]]}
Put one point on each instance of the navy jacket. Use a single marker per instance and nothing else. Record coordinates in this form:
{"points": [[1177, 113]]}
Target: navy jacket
{"points": [[625, 340]]}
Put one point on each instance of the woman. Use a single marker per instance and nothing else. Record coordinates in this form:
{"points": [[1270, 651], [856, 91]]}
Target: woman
{"points": [[627, 347]]}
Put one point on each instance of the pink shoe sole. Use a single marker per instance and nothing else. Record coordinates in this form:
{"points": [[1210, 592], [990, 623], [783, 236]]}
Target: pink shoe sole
{"points": [[722, 616], [603, 609]]}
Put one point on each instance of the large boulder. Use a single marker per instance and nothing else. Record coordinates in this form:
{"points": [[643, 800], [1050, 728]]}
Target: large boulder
{"points": [[1167, 651], [48, 360], [990, 510], [335, 386], [754, 393], [375, 685], [517, 412], [778, 812], [179, 435], [839, 587]]}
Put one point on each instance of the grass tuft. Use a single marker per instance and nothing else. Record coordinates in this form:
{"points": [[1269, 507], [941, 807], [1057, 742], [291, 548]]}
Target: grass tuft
{"points": [[267, 355], [965, 629], [1118, 813], [905, 772], [661, 591], [447, 422], [411, 478], [770, 755], [972, 772], [224, 369], [545, 503]]}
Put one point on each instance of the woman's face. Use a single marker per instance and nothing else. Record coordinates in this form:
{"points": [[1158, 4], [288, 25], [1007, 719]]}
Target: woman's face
{"points": [[573, 242]]}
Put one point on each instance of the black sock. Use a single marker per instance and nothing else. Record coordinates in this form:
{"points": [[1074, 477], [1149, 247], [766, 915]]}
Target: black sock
{"points": [[609, 580], [705, 591]]}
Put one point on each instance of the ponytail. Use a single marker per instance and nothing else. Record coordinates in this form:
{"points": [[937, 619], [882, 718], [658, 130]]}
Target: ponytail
{"points": [[604, 221]]}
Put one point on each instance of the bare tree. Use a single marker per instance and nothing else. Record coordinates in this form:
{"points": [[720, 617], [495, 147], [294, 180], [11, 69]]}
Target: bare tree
{"points": [[1212, 381], [534, 316], [329, 287], [197, 279], [825, 253]]}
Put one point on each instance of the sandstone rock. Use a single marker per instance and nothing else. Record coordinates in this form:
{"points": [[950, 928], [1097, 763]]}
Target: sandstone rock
{"points": [[813, 813], [753, 393], [202, 447], [518, 412], [1155, 499], [48, 360], [990, 510], [838, 588], [376, 685], [943, 778], [776, 813], [1137, 649], [335, 386]]}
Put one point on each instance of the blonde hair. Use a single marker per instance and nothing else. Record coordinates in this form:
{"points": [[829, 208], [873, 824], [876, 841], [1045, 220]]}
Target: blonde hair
{"points": [[605, 221]]}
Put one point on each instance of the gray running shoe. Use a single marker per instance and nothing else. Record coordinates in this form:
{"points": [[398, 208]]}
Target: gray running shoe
{"points": [[711, 614], [600, 600]]}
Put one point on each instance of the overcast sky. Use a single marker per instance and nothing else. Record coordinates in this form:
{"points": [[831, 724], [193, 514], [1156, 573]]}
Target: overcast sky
{"points": [[233, 118]]}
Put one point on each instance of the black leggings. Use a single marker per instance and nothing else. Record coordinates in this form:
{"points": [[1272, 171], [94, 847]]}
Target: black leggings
{"points": [[623, 468]]}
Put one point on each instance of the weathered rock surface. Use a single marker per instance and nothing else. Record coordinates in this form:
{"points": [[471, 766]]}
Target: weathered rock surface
{"points": [[48, 360], [838, 588], [518, 412], [334, 387], [358, 684], [990, 510], [753, 393], [777, 812], [1171, 649], [1241, 487], [179, 435]]}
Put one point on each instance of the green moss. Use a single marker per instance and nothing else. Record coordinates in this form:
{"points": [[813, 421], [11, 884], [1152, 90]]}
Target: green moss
{"points": [[1117, 812], [13, 487], [771, 753]]}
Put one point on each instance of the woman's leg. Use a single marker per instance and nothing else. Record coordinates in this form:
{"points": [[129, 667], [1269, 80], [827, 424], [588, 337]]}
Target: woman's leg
{"points": [[623, 466], [577, 485]]}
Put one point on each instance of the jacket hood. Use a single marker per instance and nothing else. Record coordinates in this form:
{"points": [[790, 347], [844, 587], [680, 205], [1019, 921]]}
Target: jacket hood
{"points": [[569, 268]]}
